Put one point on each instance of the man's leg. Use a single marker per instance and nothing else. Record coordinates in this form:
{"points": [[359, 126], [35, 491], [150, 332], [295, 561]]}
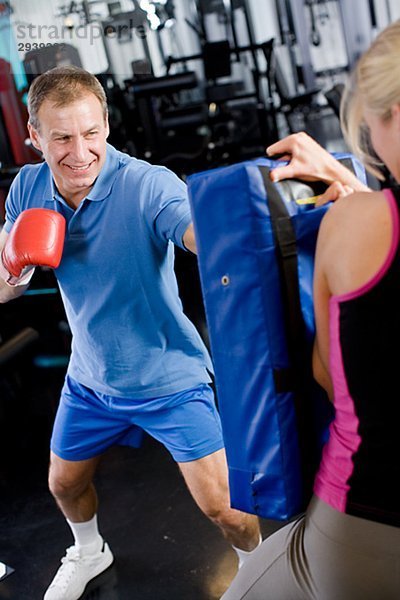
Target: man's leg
{"points": [[190, 428], [71, 485], [207, 480]]}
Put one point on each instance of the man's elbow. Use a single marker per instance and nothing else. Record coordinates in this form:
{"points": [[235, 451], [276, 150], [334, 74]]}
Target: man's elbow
{"points": [[189, 239]]}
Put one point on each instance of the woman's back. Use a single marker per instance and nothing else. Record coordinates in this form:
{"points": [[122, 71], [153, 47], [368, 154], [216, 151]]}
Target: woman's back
{"points": [[360, 469]]}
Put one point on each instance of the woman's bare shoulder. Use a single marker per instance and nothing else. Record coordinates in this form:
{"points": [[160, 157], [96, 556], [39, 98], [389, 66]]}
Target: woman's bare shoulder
{"points": [[354, 212], [355, 238]]}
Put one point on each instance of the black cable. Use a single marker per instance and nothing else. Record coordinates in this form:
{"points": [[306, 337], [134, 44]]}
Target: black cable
{"points": [[372, 13], [315, 37]]}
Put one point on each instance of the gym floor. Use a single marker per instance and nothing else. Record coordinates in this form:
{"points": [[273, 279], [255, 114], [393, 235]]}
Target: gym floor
{"points": [[164, 547]]}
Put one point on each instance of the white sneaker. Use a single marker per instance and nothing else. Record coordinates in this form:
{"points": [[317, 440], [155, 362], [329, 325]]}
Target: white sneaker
{"points": [[76, 571]]}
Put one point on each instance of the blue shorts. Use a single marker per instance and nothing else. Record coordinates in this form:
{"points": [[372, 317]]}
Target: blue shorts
{"points": [[87, 422]]}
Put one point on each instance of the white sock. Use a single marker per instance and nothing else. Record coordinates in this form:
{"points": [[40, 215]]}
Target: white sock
{"points": [[243, 555], [86, 535]]}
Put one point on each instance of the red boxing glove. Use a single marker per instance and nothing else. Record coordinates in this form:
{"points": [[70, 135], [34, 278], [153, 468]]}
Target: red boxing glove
{"points": [[37, 238]]}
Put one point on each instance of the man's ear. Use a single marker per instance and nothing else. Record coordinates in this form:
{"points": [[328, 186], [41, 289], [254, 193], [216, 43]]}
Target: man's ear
{"points": [[107, 126], [396, 115], [34, 137]]}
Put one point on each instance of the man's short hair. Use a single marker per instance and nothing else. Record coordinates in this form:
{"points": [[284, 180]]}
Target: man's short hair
{"points": [[63, 85]]}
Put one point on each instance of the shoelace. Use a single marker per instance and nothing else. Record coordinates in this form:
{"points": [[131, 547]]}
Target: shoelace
{"points": [[68, 567]]}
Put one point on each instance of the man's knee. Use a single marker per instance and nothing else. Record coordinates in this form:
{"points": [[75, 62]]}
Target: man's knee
{"points": [[64, 487], [66, 481], [218, 510]]}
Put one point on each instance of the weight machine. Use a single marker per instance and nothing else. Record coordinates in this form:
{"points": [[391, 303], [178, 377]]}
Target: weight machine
{"points": [[161, 117]]}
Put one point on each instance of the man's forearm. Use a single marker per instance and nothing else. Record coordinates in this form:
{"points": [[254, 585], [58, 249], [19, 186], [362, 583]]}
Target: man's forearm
{"points": [[8, 292], [12, 287]]}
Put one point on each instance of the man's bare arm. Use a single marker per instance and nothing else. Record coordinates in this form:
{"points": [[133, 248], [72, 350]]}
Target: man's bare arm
{"points": [[189, 239], [8, 292]]}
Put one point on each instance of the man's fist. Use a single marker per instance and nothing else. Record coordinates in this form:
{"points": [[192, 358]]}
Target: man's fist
{"points": [[37, 238]]}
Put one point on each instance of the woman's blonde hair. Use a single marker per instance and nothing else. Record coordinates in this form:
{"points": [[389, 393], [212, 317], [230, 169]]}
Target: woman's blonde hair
{"points": [[375, 85]]}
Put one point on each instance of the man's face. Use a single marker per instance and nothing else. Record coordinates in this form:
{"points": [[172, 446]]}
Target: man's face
{"points": [[72, 140]]}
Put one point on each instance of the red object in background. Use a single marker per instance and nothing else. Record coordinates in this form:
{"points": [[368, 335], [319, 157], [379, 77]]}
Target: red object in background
{"points": [[15, 116], [5, 8]]}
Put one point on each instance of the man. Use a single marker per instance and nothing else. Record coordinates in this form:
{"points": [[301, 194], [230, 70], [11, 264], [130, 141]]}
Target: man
{"points": [[136, 359]]}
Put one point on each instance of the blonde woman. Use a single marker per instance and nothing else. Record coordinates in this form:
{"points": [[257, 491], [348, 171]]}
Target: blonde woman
{"points": [[347, 545]]}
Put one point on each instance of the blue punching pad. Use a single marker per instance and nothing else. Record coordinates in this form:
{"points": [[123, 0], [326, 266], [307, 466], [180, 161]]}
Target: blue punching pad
{"points": [[256, 243]]}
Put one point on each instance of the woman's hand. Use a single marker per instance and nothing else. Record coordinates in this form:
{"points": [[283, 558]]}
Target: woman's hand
{"points": [[310, 162], [335, 191]]}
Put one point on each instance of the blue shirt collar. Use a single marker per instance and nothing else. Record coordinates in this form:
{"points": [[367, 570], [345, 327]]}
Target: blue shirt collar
{"points": [[103, 184]]}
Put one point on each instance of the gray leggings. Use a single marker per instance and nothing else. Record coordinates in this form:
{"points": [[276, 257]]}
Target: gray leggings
{"points": [[324, 555]]}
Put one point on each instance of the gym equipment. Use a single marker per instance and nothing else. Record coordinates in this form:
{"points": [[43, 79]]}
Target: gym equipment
{"points": [[233, 76], [293, 23], [41, 60], [256, 242], [315, 36], [357, 32], [13, 117], [289, 102], [334, 97], [158, 112]]}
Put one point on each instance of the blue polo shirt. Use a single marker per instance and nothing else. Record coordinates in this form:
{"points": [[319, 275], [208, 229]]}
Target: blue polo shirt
{"points": [[116, 277]]}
